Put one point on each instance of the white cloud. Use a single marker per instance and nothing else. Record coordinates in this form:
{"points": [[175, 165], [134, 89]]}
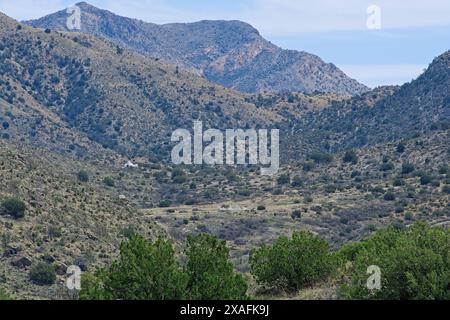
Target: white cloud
{"points": [[281, 17], [276, 17], [28, 9], [271, 17]]}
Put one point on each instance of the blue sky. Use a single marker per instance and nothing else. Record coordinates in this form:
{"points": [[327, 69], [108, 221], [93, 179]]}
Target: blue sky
{"points": [[412, 32]]}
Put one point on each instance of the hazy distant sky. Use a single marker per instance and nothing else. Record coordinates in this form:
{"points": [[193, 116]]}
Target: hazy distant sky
{"points": [[412, 32]]}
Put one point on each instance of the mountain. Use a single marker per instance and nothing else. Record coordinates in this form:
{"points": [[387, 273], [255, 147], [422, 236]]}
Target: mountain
{"points": [[383, 115], [111, 97], [131, 103], [231, 53], [74, 108]]}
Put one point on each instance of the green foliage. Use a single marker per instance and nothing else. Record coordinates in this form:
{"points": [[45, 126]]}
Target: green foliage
{"points": [[387, 166], [398, 182], [43, 274], [108, 181], [150, 271], [165, 204], [401, 147], [211, 275], [144, 271], [297, 182], [425, 179], [292, 264], [308, 166], [389, 196], [321, 157], [296, 214], [408, 168], [13, 207], [284, 179], [351, 157], [409, 216], [119, 50], [179, 179], [4, 295], [446, 189], [414, 263], [83, 176], [128, 231], [444, 170]]}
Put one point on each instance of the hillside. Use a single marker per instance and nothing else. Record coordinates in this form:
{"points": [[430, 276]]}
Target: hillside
{"points": [[118, 99], [74, 108], [67, 221], [383, 115], [231, 53]]}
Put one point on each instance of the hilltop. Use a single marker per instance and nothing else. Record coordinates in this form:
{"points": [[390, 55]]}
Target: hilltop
{"points": [[231, 53]]}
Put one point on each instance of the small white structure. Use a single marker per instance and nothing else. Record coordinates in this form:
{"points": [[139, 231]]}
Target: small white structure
{"points": [[130, 164]]}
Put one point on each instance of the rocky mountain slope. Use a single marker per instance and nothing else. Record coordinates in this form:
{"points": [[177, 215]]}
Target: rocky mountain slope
{"points": [[118, 99], [231, 53], [131, 103], [70, 102], [383, 115]]}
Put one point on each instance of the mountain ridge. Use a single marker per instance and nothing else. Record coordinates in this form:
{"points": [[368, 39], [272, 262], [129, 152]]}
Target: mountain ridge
{"points": [[231, 53]]}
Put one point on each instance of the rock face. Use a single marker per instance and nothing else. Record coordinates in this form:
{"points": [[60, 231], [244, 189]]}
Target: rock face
{"points": [[231, 53]]}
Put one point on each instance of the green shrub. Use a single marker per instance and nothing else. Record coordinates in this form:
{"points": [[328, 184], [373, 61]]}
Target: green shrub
{"points": [[83, 176], [43, 274], [150, 271], [446, 189], [401, 147], [179, 179], [388, 166], [308, 166], [321, 157], [108, 181], [144, 271], [330, 188], [4, 296], [398, 182], [129, 231], [351, 157], [409, 216], [407, 168], [245, 193], [261, 208], [389, 196], [297, 182], [444, 170], [190, 202], [13, 207], [425, 179], [292, 264], [296, 214], [414, 264], [211, 274], [284, 179], [165, 204]]}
